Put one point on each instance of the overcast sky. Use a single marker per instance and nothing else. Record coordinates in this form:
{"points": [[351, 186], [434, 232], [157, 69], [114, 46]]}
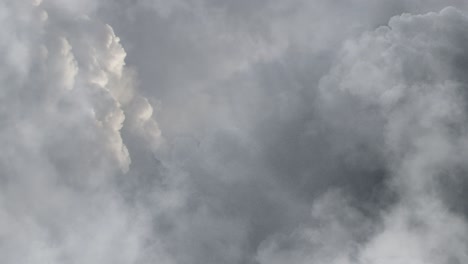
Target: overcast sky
{"points": [[233, 132]]}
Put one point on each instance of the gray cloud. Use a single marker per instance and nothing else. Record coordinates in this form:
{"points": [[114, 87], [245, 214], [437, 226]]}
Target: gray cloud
{"points": [[404, 72], [233, 131]]}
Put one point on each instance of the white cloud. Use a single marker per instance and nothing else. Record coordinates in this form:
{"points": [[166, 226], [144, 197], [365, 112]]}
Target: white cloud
{"points": [[62, 150]]}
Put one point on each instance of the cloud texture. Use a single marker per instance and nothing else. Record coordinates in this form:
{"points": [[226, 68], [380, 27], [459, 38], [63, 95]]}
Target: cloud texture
{"points": [[253, 132]]}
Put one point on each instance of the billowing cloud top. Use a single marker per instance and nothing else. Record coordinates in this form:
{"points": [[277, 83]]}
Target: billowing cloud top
{"points": [[253, 132]]}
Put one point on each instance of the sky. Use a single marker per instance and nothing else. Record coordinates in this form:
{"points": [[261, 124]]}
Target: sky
{"points": [[233, 132]]}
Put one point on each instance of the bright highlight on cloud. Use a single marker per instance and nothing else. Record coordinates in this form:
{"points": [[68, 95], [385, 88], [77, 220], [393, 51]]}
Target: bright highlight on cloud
{"points": [[243, 131]]}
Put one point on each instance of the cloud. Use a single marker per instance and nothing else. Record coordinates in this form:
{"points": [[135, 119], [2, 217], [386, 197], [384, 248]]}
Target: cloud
{"points": [[63, 107], [404, 72], [233, 131]]}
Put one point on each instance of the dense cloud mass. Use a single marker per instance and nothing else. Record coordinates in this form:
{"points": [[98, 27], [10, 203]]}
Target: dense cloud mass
{"points": [[249, 131]]}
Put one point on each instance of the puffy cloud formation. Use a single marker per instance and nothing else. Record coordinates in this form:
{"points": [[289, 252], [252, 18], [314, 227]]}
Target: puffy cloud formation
{"points": [[250, 131], [64, 94], [407, 73]]}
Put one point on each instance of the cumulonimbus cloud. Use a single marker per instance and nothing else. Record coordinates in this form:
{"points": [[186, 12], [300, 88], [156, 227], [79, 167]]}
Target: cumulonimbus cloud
{"points": [[240, 132], [64, 95], [407, 73]]}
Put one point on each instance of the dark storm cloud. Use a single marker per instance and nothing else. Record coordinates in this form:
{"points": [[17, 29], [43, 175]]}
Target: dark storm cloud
{"points": [[238, 132]]}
